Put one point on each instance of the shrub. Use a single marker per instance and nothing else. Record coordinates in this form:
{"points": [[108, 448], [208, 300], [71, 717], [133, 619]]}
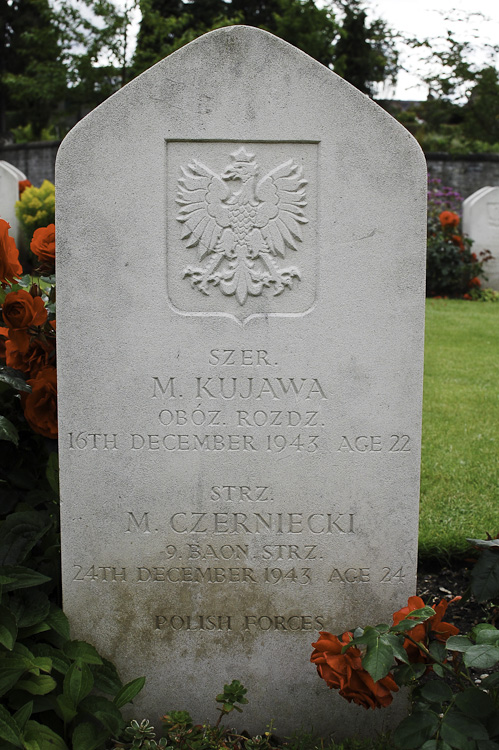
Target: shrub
{"points": [[452, 269], [36, 208]]}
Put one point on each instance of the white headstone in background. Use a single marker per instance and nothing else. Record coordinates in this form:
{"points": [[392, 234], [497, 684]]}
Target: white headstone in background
{"points": [[240, 258], [481, 224], [9, 195]]}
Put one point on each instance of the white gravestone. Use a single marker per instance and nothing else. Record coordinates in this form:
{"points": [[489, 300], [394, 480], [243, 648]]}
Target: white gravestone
{"points": [[9, 195], [240, 260], [481, 224]]}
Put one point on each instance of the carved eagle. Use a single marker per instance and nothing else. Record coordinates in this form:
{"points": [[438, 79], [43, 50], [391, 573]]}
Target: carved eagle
{"points": [[240, 223]]}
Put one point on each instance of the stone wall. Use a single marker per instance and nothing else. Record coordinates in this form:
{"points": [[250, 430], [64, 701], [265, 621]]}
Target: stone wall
{"points": [[36, 160], [464, 173]]}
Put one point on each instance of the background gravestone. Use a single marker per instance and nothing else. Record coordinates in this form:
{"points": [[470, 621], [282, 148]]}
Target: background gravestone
{"points": [[481, 224], [9, 195], [241, 245]]}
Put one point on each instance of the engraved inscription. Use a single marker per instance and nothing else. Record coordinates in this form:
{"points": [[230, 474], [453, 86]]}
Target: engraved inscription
{"points": [[241, 222]]}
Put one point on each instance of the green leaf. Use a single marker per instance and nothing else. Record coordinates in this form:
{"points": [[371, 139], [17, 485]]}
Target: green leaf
{"points": [[439, 670], [66, 708], [489, 635], [416, 729], [435, 745], [458, 643], [42, 627], [58, 621], [460, 730], [59, 662], [482, 626], [485, 577], [8, 431], [47, 739], [437, 650], [492, 681], [19, 533], [106, 678], [43, 663], [9, 675], [83, 651], [30, 607], [8, 628], [128, 692], [404, 625], [378, 658], [422, 614], [22, 715], [399, 652], [30, 744], [104, 711], [436, 691], [78, 682], [484, 543], [23, 578], [37, 684], [475, 703], [52, 472], [9, 730], [15, 378], [407, 673], [481, 656], [88, 737]]}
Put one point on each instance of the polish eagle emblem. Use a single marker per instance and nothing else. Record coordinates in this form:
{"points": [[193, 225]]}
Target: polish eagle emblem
{"points": [[241, 224]]}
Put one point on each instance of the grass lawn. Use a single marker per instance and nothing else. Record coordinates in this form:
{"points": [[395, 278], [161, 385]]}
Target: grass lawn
{"points": [[460, 453]]}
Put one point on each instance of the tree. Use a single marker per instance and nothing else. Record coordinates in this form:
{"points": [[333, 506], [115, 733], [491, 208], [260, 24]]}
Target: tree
{"points": [[364, 54], [32, 71], [481, 112]]}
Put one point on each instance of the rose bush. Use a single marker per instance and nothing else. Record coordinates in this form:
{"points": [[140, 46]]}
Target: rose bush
{"points": [[450, 707], [27, 333], [452, 269]]}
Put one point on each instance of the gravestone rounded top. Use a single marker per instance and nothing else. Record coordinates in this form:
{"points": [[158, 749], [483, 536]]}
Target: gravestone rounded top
{"points": [[240, 258]]}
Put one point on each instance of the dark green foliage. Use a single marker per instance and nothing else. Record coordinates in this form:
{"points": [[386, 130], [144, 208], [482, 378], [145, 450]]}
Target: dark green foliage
{"points": [[32, 72], [46, 679], [481, 112], [364, 54]]}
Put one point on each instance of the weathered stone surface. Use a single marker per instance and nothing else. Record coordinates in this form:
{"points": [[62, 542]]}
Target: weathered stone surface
{"points": [[240, 398], [9, 194], [481, 223]]}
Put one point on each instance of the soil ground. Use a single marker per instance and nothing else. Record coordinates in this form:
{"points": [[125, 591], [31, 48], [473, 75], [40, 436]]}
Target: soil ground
{"points": [[437, 581]]}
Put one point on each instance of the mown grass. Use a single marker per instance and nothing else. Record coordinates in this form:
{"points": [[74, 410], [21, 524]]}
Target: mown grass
{"points": [[460, 450]]}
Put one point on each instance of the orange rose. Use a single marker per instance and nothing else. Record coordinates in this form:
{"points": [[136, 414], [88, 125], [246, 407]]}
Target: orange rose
{"points": [[346, 673], [21, 312], [43, 244], [23, 184], [10, 268], [458, 241], [449, 219], [38, 356], [431, 629], [40, 406], [474, 282]]}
